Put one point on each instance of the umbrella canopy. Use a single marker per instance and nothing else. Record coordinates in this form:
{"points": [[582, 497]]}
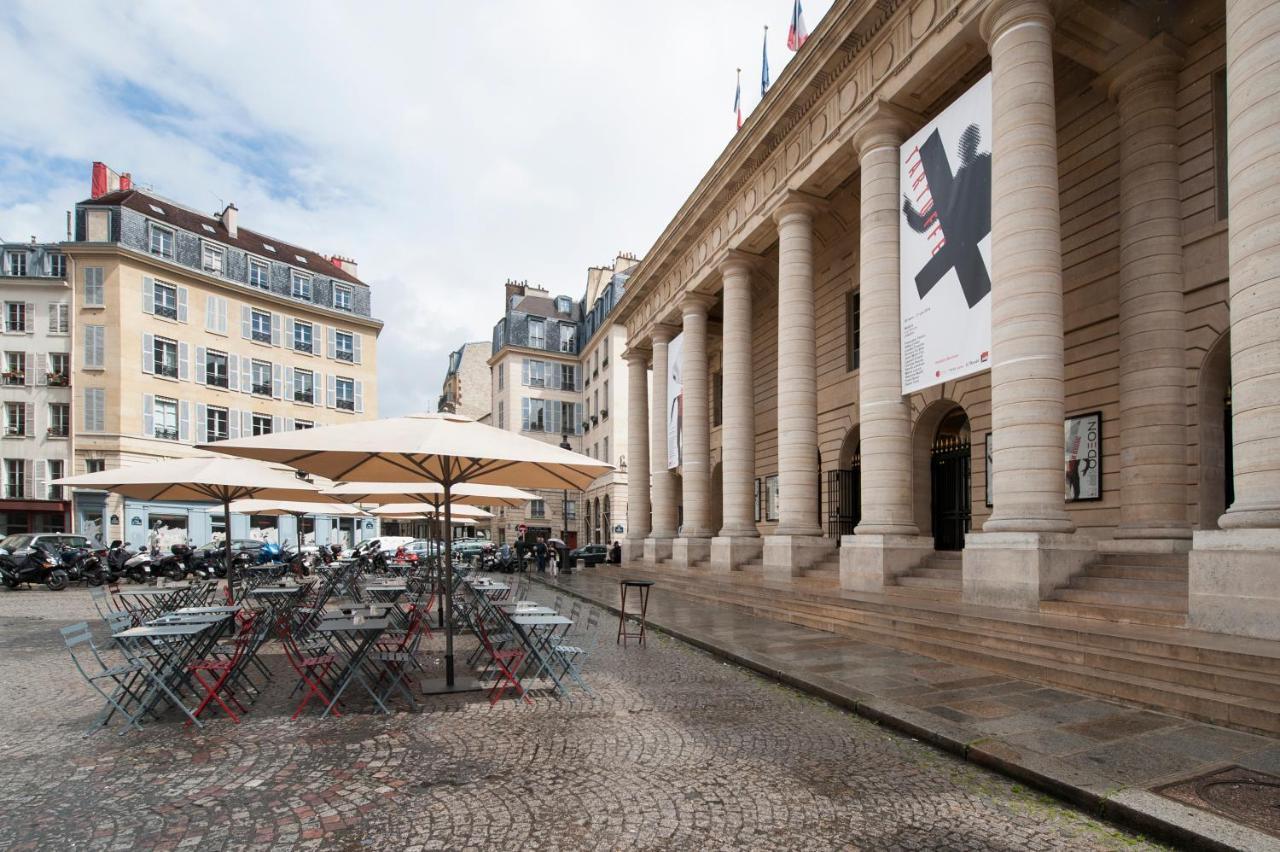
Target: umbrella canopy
{"points": [[470, 493], [276, 508], [202, 478], [443, 448], [427, 510]]}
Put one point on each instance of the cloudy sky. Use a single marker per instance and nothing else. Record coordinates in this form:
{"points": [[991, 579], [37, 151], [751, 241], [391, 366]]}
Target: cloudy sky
{"points": [[446, 147]]}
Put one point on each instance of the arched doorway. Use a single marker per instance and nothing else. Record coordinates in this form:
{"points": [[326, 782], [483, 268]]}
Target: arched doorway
{"points": [[1217, 488], [606, 520], [949, 464], [595, 521], [844, 488]]}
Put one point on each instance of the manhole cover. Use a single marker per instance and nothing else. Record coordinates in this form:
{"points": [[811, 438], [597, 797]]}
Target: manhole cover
{"points": [[1239, 794]]}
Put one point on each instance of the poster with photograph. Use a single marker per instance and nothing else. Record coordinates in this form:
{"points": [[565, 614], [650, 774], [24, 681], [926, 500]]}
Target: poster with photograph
{"points": [[675, 402], [990, 472], [771, 498], [945, 236], [757, 500], [1083, 467]]}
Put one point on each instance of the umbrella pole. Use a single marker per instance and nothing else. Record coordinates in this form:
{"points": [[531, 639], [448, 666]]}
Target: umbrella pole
{"points": [[448, 586], [226, 549]]}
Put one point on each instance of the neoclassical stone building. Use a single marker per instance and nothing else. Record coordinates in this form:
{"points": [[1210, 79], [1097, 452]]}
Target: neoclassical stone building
{"points": [[1127, 135]]}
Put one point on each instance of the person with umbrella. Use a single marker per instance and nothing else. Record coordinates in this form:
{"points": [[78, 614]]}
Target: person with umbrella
{"points": [[540, 554]]}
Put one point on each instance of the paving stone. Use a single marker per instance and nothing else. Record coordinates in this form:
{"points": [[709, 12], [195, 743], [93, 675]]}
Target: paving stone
{"points": [[678, 751]]}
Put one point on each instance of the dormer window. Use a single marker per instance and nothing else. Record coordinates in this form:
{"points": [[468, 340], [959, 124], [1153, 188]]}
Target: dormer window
{"points": [[211, 258], [300, 284], [564, 304], [208, 228], [269, 247], [160, 240], [259, 273], [341, 297]]}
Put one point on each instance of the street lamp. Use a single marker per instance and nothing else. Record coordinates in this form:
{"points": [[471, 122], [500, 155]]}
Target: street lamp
{"points": [[564, 498]]}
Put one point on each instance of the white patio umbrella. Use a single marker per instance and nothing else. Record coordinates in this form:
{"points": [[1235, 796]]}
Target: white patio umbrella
{"points": [[297, 510], [205, 478], [446, 449], [470, 493]]}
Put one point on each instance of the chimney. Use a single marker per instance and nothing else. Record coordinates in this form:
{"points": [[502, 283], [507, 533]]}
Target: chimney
{"points": [[346, 264], [229, 219]]}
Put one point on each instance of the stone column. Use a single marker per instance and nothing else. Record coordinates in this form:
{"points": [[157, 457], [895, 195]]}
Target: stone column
{"points": [[797, 541], [887, 541], [1025, 553], [739, 540], [638, 504], [658, 546], [1153, 406], [1235, 578], [694, 543]]}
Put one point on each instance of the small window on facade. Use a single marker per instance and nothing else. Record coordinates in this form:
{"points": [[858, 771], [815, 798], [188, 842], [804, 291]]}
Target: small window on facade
{"points": [[537, 333], [15, 316], [15, 263], [58, 265], [15, 368], [215, 368], [166, 300], [341, 297], [165, 414], [59, 369], [304, 386], [568, 335], [215, 423], [537, 374], [344, 346], [94, 296], [211, 258], [262, 424], [302, 336], [161, 241], [303, 424], [300, 284], [853, 331], [165, 353], [261, 372], [259, 274], [59, 420], [568, 376], [15, 419], [260, 326], [346, 389]]}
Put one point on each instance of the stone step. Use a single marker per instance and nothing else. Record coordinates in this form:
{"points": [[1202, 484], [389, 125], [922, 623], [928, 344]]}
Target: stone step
{"points": [[940, 573], [927, 593], [1198, 691], [1136, 599], [1202, 692], [1125, 584], [1174, 643], [1158, 560], [1137, 572], [930, 582], [1119, 614]]}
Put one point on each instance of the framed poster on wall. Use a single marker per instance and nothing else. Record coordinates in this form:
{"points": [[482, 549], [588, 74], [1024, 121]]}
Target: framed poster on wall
{"points": [[757, 499], [1082, 469], [989, 471], [771, 498]]}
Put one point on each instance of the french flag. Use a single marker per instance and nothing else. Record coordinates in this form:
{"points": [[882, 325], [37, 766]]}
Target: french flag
{"points": [[737, 99], [798, 32], [106, 180]]}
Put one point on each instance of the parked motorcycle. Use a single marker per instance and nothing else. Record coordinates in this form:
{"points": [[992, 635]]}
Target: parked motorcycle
{"points": [[82, 565], [114, 561], [31, 565], [138, 567], [179, 563]]}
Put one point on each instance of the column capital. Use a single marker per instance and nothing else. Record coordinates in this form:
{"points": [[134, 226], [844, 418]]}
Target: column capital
{"points": [[662, 332], [882, 124], [696, 303], [1157, 60], [1002, 15], [798, 204], [638, 352], [736, 260]]}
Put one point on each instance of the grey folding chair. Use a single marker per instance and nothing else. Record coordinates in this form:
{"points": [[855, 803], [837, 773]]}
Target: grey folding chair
{"points": [[121, 676], [149, 661], [101, 601], [571, 655]]}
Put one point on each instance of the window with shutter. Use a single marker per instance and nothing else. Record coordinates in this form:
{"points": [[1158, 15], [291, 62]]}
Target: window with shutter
{"points": [[94, 295]]}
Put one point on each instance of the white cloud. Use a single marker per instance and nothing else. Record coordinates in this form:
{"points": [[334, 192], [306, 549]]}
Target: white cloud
{"points": [[447, 147]]}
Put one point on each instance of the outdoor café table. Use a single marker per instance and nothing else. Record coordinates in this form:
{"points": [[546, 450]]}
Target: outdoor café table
{"points": [[526, 608], [175, 645], [538, 633], [355, 642], [206, 610], [389, 593], [257, 575], [276, 599], [155, 600]]}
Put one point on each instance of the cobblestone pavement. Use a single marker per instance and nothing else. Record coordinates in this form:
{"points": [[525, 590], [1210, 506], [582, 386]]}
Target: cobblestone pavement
{"points": [[678, 751]]}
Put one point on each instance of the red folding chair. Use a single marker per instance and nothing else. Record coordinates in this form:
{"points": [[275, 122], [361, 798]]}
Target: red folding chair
{"points": [[506, 662], [221, 671], [312, 671]]}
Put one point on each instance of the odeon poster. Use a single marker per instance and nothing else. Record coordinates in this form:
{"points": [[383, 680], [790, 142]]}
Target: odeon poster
{"points": [[945, 237], [675, 402]]}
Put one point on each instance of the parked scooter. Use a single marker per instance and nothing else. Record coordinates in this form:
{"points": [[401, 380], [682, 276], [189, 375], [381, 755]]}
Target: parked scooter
{"points": [[31, 565], [179, 563], [138, 567], [82, 565], [116, 556]]}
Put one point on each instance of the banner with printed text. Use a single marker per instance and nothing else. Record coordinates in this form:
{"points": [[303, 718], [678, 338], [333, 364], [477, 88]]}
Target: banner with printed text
{"points": [[945, 236]]}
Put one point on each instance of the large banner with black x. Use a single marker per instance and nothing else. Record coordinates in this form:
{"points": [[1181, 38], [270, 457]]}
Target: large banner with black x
{"points": [[945, 236]]}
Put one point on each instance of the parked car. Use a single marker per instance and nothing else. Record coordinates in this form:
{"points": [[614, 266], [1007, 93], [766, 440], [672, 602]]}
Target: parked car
{"points": [[48, 542], [467, 548], [419, 548], [389, 544], [591, 554]]}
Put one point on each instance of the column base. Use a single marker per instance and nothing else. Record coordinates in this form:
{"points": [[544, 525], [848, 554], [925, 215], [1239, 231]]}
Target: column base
{"points": [[632, 549], [686, 552], [868, 563], [730, 551], [1234, 582], [1017, 570], [657, 550], [788, 555]]}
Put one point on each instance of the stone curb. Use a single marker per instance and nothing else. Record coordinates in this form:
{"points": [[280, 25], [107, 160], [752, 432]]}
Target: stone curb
{"points": [[1131, 807]]}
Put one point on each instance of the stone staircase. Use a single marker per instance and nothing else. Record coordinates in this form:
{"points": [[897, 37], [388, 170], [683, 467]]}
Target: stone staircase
{"points": [[1226, 680], [1132, 588], [937, 578]]}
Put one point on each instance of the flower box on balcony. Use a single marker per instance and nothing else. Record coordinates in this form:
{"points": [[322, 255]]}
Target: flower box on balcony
{"points": [[59, 380]]}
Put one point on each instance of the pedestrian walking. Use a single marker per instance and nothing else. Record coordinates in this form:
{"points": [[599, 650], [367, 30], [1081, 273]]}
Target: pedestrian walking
{"points": [[540, 554]]}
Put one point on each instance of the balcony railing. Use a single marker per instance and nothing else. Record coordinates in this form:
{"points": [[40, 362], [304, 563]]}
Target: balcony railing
{"points": [[13, 377], [169, 371], [58, 432], [167, 311], [166, 434], [346, 355], [58, 380], [262, 389], [15, 431], [261, 336], [216, 380], [347, 404], [304, 396]]}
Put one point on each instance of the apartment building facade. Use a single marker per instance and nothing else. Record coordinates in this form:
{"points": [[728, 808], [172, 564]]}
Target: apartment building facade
{"points": [[466, 388], [35, 388], [189, 328]]}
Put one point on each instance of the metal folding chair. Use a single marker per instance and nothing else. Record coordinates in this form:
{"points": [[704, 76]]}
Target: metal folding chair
{"points": [[506, 662], [122, 676], [312, 671], [571, 655], [150, 661]]}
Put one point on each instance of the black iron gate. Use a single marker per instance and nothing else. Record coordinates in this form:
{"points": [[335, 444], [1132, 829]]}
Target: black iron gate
{"points": [[949, 468], [844, 501]]}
